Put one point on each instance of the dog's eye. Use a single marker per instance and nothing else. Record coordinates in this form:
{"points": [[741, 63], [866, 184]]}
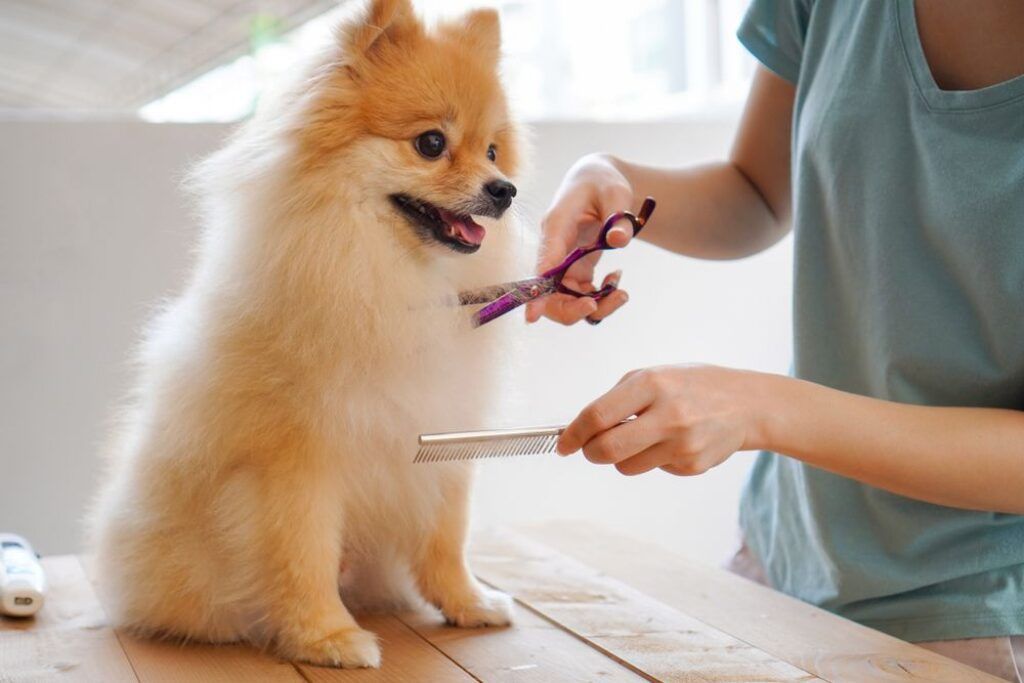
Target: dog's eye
{"points": [[430, 144], [492, 153]]}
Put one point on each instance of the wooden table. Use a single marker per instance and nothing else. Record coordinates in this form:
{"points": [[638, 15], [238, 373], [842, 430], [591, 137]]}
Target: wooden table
{"points": [[600, 608]]}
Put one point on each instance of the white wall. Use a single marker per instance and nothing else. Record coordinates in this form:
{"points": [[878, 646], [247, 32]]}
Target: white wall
{"points": [[93, 231]]}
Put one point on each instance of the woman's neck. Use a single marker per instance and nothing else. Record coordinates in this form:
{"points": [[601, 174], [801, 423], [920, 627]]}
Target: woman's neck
{"points": [[972, 45]]}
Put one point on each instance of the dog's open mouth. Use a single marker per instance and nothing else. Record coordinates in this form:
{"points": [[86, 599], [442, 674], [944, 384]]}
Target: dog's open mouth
{"points": [[456, 231]]}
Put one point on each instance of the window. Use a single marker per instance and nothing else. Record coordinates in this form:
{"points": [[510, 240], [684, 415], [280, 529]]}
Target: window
{"points": [[565, 59]]}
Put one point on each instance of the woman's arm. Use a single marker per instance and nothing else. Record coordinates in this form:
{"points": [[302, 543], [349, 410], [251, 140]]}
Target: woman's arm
{"points": [[725, 210], [961, 457], [734, 208], [691, 418]]}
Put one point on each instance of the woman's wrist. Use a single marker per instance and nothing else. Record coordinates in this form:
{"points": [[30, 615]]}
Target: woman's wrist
{"points": [[797, 418], [777, 405]]}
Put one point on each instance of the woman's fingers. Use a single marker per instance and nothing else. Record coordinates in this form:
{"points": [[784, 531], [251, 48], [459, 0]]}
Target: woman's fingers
{"points": [[623, 401], [611, 303], [566, 309], [579, 277], [620, 234], [622, 441], [569, 310], [658, 455]]}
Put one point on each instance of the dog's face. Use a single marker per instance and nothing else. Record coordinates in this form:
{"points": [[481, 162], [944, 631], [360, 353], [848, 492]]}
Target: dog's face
{"points": [[430, 109]]}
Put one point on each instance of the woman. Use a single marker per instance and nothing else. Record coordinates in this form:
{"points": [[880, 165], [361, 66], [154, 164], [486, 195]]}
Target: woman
{"points": [[890, 487]]}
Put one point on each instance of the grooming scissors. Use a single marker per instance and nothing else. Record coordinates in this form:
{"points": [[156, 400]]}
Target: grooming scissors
{"points": [[500, 299]]}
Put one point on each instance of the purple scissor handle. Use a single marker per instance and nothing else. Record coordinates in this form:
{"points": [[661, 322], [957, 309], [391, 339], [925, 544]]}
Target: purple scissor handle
{"points": [[501, 299]]}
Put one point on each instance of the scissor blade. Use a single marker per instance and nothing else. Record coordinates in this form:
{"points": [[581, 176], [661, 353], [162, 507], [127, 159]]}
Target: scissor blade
{"points": [[524, 291], [486, 294]]}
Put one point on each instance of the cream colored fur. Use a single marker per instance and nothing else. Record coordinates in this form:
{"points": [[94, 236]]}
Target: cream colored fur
{"points": [[279, 397]]}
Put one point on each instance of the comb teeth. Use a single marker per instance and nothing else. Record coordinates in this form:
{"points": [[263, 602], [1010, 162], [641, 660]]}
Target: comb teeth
{"points": [[488, 445]]}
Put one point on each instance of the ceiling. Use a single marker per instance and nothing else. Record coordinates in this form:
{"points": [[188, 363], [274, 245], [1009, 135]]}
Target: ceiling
{"points": [[117, 55]]}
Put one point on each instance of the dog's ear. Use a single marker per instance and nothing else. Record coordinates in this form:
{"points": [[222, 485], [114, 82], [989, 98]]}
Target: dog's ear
{"points": [[379, 24], [481, 29]]}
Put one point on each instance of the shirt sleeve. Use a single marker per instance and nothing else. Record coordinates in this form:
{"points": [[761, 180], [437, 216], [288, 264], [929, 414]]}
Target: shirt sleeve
{"points": [[774, 32]]}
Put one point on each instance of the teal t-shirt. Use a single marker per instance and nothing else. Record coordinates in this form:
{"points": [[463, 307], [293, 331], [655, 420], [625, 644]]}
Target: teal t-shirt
{"points": [[909, 286]]}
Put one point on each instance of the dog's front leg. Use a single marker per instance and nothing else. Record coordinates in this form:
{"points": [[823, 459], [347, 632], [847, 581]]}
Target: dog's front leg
{"points": [[300, 542], [442, 573]]}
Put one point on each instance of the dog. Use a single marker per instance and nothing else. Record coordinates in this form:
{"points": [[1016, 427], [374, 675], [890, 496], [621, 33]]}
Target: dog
{"points": [[260, 480]]}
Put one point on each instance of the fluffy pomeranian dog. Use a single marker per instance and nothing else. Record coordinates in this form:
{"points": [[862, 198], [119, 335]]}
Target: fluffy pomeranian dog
{"points": [[266, 457]]}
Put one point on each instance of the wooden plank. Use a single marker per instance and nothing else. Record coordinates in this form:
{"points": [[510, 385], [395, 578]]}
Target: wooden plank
{"points": [[166, 662], [157, 661], [817, 641], [532, 650], [406, 658], [68, 640], [62, 655], [663, 643]]}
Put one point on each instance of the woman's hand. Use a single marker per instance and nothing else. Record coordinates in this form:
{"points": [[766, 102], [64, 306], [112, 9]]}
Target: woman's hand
{"points": [[689, 419], [591, 190]]}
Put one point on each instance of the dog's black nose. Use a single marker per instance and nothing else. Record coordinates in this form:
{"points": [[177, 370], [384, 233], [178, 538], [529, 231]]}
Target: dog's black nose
{"points": [[500, 192]]}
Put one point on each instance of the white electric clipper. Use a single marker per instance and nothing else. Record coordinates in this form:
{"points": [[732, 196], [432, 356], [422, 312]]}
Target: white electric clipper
{"points": [[22, 582]]}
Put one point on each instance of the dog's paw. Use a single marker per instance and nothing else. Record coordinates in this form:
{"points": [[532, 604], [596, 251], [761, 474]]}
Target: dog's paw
{"points": [[350, 648], [490, 608]]}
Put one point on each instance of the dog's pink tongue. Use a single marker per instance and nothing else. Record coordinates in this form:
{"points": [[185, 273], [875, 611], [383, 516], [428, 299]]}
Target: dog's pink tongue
{"points": [[469, 230]]}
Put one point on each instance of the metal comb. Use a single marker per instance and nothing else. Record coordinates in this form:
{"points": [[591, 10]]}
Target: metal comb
{"points": [[492, 443]]}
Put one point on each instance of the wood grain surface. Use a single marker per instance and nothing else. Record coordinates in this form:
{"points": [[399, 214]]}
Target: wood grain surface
{"points": [[599, 608]]}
